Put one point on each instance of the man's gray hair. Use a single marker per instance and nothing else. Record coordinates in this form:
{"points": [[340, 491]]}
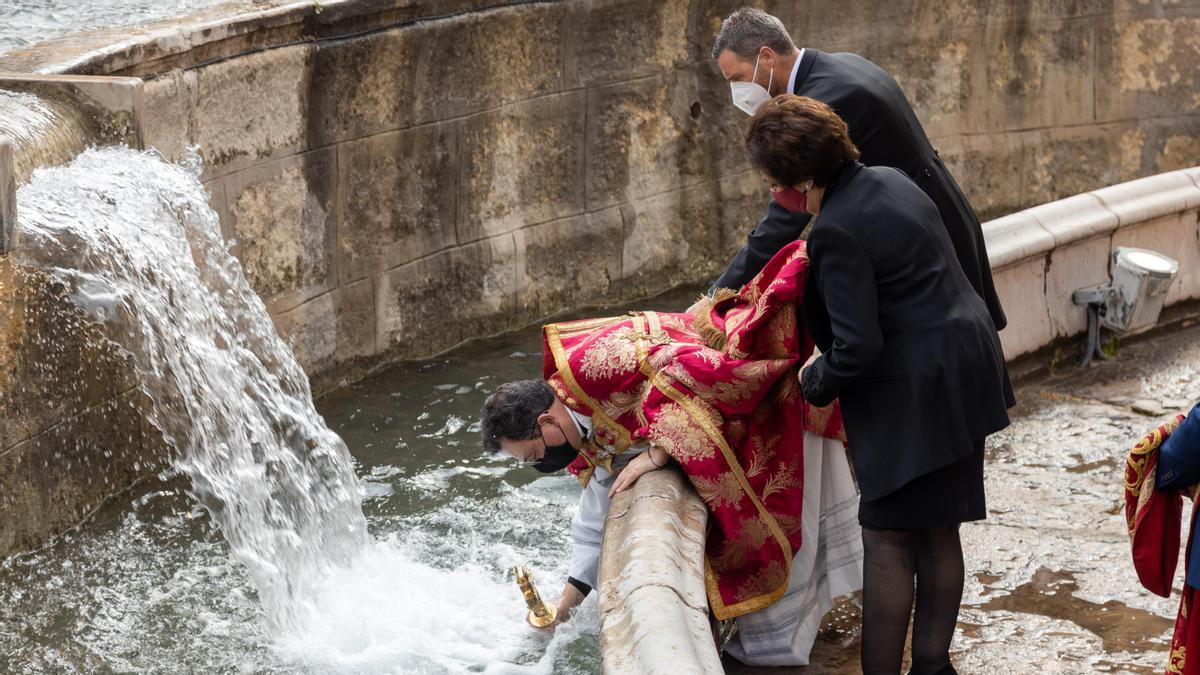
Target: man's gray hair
{"points": [[747, 30]]}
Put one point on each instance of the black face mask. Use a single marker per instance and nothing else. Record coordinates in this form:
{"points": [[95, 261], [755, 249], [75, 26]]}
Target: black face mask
{"points": [[557, 457]]}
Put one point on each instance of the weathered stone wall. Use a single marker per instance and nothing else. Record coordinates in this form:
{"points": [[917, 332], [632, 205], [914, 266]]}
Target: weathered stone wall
{"points": [[400, 179], [71, 430], [72, 433], [1029, 102], [394, 193]]}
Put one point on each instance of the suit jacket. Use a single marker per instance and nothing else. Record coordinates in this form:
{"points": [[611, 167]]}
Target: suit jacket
{"points": [[907, 345], [1179, 468], [887, 133]]}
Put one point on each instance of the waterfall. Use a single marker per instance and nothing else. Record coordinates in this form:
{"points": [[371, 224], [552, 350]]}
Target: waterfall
{"points": [[133, 240]]}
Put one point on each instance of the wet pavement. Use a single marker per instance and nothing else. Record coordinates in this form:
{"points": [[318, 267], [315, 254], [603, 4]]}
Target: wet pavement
{"points": [[1050, 586]]}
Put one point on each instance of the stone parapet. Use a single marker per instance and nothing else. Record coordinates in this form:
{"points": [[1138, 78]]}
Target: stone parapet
{"points": [[1041, 255], [72, 434], [653, 604]]}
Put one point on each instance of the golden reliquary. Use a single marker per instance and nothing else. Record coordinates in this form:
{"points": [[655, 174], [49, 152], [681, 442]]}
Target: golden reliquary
{"points": [[541, 614]]}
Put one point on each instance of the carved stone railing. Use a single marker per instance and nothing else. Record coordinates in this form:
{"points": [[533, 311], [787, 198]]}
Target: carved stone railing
{"points": [[653, 606]]}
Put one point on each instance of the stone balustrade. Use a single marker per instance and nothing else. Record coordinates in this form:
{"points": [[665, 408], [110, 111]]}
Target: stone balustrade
{"points": [[653, 605], [1041, 255]]}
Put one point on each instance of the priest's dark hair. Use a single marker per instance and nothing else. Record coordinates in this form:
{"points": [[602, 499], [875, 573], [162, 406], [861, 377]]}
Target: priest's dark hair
{"points": [[748, 30], [797, 138], [512, 410]]}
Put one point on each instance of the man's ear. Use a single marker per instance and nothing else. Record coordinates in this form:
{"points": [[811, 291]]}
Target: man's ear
{"points": [[766, 57], [546, 418]]}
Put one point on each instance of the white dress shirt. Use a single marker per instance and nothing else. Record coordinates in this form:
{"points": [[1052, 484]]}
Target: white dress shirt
{"points": [[795, 69], [587, 527]]}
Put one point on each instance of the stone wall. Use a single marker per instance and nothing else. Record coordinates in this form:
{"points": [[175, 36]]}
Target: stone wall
{"points": [[380, 163], [70, 414], [71, 430], [1027, 101], [502, 164]]}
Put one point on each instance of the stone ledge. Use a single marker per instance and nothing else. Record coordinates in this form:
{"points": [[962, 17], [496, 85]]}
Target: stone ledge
{"points": [[1076, 218], [115, 103], [1148, 198], [1194, 174], [653, 603], [1014, 238], [230, 30], [1041, 255], [1039, 230]]}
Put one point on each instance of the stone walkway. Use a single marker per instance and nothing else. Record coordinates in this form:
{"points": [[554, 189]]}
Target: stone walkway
{"points": [[1050, 587]]}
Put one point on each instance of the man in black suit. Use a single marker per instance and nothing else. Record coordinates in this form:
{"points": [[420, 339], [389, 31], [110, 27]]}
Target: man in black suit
{"points": [[757, 56]]}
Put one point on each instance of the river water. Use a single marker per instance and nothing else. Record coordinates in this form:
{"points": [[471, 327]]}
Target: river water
{"points": [[25, 22], [151, 585]]}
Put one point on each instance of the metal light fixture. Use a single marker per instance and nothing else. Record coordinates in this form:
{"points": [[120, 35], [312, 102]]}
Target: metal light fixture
{"points": [[1132, 301]]}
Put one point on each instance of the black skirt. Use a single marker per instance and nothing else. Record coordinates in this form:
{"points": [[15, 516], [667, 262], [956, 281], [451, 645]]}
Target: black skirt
{"points": [[945, 497]]}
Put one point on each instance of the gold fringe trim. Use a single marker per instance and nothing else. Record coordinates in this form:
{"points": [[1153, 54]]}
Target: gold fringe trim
{"points": [[714, 338]]}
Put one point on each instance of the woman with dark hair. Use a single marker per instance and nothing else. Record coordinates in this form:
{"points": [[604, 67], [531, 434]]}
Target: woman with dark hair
{"points": [[909, 349]]}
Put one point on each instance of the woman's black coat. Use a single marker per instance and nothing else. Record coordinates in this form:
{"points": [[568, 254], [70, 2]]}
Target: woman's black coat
{"points": [[907, 344]]}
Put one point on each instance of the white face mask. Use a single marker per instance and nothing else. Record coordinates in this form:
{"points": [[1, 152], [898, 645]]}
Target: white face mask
{"points": [[748, 96]]}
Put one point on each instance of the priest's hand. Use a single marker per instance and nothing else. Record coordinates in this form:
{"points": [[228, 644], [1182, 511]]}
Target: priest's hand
{"points": [[654, 458], [568, 601]]}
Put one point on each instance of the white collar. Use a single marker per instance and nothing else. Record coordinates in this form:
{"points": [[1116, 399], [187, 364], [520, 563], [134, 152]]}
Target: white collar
{"points": [[795, 69], [583, 422]]}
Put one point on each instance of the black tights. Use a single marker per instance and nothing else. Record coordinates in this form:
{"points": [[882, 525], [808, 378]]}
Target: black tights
{"points": [[893, 560]]}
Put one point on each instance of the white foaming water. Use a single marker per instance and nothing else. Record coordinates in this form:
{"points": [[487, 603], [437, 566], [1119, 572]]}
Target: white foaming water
{"points": [[388, 612], [133, 240]]}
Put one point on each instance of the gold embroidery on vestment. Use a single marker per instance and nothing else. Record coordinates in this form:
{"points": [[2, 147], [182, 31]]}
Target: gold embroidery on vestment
{"points": [[1178, 660], [675, 432], [722, 491], [721, 610], [613, 354]]}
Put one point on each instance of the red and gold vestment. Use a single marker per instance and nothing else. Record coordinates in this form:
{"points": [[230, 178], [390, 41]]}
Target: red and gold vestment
{"points": [[1154, 518], [717, 390]]}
